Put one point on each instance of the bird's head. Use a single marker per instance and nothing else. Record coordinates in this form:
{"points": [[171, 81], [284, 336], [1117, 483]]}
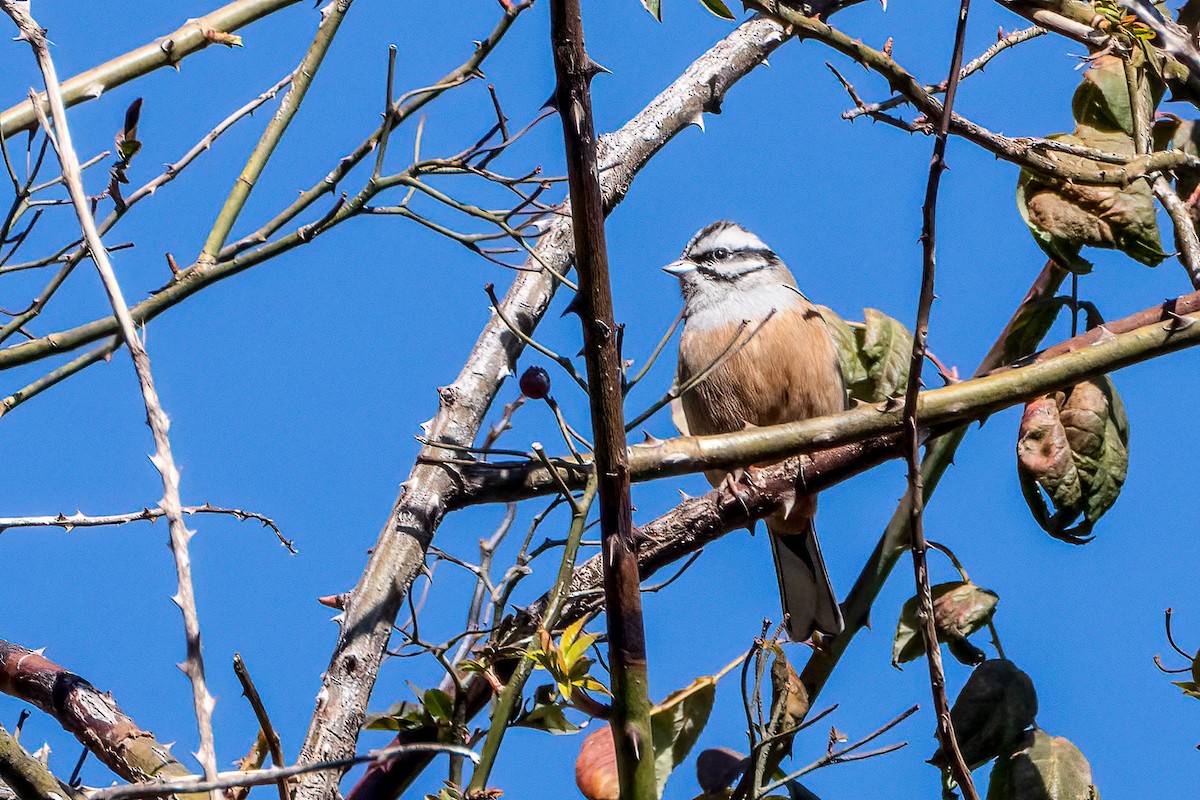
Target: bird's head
{"points": [[724, 260]]}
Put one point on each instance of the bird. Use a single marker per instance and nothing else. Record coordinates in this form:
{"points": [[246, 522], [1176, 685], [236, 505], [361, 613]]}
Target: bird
{"points": [[784, 367]]}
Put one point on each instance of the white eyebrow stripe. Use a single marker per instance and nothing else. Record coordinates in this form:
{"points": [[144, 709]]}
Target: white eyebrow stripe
{"points": [[733, 239]]}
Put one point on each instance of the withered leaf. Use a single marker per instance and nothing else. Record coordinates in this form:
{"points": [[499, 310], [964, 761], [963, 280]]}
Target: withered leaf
{"points": [[1044, 768], [1065, 217], [1074, 447], [959, 609]]}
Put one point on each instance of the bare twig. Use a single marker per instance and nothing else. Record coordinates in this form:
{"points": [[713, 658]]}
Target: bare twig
{"points": [[258, 777], [302, 77], [81, 520], [916, 496], [274, 746], [156, 418]]}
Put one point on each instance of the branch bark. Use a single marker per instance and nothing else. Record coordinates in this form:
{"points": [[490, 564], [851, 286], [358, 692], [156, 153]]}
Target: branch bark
{"points": [[1100, 350], [165, 51], [916, 488], [28, 777], [628, 669], [92, 716], [156, 418], [427, 494]]}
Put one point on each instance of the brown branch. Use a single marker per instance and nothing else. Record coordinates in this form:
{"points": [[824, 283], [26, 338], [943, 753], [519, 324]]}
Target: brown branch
{"points": [[630, 717], [274, 745], [430, 489], [916, 488], [1102, 351], [92, 716]]}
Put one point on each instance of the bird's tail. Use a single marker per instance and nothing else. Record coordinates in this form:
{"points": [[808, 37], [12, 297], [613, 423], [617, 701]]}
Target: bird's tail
{"points": [[808, 598]]}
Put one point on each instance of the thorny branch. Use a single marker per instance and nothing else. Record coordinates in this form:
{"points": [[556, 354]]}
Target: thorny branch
{"points": [[156, 418], [915, 497]]}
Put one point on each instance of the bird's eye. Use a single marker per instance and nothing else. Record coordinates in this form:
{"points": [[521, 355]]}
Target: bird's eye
{"points": [[720, 254]]}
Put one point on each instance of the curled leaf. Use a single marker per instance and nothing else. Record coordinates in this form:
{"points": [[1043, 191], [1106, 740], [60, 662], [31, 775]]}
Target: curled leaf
{"points": [[874, 354], [991, 714], [959, 609], [1045, 768], [1074, 447], [1063, 216]]}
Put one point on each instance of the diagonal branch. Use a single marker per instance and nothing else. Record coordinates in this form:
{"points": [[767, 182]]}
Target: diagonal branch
{"points": [[156, 418], [165, 51], [91, 715], [399, 553], [302, 77]]}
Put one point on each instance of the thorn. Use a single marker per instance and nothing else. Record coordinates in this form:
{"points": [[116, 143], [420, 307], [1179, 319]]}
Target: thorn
{"points": [[887, 46], [572, 307], [789, 503], [1104, 335], [697, 120], [1178, 323], [591, 69], [651, 439], [752, 527], [684, 495]]}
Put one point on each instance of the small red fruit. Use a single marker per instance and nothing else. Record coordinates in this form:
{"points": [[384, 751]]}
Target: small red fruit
{"points": [[535, 383]]}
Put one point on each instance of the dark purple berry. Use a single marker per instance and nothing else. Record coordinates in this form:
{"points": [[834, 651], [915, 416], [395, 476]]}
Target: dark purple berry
{"points": [[535, 383]]}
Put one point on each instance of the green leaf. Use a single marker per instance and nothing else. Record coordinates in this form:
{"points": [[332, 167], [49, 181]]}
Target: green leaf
{"points": [[1074, 447], [439, 705], [960, 608], [854, 371], [546, 714], [719, 8], [402, 716], [1045, 768], [654, 7], [676, 724], [1190, 688], [1029, 328], [874, 354], [996, 706], [887, 347]]}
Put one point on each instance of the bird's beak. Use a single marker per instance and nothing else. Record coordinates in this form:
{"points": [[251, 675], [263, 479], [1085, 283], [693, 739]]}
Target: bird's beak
{"points": [[679, 268]]}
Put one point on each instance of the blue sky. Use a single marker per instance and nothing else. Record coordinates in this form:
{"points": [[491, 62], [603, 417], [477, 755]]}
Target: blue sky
{"points": [[295, 389]]}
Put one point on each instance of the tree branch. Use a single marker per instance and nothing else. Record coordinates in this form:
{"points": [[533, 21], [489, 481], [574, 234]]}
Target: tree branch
{"points": [[302, 78], [156, 418], [399, 553], [630, 720], [92, 716], [29, 778], [912, 435], [1118, 343], [165, 51]]}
